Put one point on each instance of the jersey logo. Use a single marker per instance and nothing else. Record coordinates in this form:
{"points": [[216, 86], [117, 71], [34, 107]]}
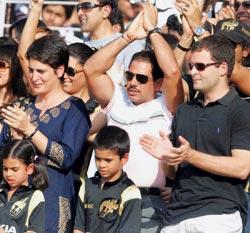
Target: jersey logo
{"points": [[8, 229], [108, 206], [18, 206]]}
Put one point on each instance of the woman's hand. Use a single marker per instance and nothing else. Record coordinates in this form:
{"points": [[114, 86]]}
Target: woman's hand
{"points": [[17, 119]]}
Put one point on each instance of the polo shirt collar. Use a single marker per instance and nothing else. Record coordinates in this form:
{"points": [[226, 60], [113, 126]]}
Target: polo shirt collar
{"points": [[225, 100]]}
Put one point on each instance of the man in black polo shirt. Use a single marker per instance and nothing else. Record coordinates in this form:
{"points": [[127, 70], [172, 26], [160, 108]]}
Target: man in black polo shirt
{"points": [[211, 148]]}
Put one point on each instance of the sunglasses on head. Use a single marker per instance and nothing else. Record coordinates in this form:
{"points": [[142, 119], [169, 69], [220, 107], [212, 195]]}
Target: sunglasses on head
{"points": [[72, 72], [201, 66], [141, 78], [85, 6], [245, 4], [4, 65]]}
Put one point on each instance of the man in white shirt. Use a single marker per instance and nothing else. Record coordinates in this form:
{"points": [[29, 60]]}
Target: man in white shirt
{"points": [[139, 108]]}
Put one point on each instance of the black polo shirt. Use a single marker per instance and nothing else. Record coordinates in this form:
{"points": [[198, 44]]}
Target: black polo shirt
{"points": [[115, 207], [215, 129], [24, 211]]}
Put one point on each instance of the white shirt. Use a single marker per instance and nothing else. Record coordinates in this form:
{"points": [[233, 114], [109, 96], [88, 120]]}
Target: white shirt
{"points": [[149, 118]]}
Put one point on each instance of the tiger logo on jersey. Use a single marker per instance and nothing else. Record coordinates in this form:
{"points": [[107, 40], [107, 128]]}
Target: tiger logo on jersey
{"points": [[108, 206], [18, 206]]}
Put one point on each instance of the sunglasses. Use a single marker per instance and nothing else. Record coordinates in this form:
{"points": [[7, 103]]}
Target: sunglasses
{"points": [[201, 66], [3, 66], [245, 4], [72, 72], [87, 6], [141, 78]]}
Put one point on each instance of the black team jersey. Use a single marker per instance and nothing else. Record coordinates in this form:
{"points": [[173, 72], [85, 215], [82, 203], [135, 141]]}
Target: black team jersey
{"points": [[25, 211], [111, 208]]}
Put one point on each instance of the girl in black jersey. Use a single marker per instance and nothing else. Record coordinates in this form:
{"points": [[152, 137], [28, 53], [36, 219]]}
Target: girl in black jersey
{"points": [[21, 200]]}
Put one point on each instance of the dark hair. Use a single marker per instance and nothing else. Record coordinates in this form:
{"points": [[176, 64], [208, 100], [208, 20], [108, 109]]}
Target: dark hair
{"points": [[17, 86], [19, 25], [80, 51], [25, 151], [5, 40], [171, 39], [220, 48], [113, 5], [149, 56], [51, 50], [112, 138], [174, 24], [116, 17]]}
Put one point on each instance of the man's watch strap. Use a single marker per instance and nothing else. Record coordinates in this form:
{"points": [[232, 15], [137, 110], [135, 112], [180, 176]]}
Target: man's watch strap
{"points": [[155, 30]]}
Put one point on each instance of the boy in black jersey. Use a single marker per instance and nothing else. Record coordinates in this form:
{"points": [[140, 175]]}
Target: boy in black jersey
{"points": [[109, 202]]}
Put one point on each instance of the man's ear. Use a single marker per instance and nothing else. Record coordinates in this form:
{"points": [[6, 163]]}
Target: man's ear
{"points": [[223, 69], [106, 11], [60, 71]]}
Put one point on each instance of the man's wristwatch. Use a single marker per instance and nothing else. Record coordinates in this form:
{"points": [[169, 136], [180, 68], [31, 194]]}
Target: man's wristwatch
{"points": [[199, 30], [155, 30]]}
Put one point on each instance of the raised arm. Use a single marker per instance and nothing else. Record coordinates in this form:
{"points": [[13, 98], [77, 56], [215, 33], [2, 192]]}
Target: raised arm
{"points": [[99, 83], [28, 34], [184, 42], [172, 85]]}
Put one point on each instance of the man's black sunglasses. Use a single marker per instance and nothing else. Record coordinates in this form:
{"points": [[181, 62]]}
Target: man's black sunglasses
{"points": [[87, 6], [245, 4], [72, 72], [141, 78], [201, 66]]}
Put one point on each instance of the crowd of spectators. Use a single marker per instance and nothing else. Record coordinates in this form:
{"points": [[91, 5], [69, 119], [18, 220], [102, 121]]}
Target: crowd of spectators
{"points": [[140, 119]]}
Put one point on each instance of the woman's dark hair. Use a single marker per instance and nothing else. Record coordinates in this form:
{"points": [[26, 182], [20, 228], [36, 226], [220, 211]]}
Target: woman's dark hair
{"points": [[80, 51], [17, 87], [112, 138], [51, 50], [25, 151]]}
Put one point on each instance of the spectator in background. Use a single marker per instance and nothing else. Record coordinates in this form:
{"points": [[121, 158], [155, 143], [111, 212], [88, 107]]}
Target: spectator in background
{"points": [[242, 9], [12, 85], [56, 15], [16, 29], [75, 84], [129, 11], [239, 34], [96, 19]]}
